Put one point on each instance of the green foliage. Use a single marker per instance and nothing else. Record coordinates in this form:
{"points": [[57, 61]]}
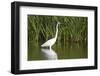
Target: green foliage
{"points": [[42, 28]]}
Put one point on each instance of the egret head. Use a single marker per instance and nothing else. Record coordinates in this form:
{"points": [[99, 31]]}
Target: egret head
{"points": [[58, 23]]}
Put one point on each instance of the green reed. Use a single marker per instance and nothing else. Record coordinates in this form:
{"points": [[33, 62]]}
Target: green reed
{"points": [[72, 28]]}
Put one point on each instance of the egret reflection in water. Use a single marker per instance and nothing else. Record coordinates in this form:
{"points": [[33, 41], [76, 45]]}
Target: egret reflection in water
{"points": [[49, 54]]}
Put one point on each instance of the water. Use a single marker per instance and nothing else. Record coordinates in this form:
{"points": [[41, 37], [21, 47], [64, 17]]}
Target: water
{"points": [[68, 50]]}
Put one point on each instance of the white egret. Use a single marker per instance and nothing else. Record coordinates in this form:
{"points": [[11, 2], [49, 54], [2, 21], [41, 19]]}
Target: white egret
{"points": [[52, 41]]}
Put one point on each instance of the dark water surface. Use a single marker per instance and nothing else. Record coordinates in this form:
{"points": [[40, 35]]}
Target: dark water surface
{"points": [[67, 50]]}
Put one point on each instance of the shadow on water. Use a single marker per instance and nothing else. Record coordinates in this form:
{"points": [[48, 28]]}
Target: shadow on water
{"points": [[59, 51]]}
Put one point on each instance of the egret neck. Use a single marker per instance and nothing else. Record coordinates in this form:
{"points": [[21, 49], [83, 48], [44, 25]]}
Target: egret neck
{"points": [[56, 31]]}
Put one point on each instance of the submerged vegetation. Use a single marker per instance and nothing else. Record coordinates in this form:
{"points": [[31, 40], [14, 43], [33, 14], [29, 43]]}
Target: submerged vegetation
{"points": [[72, 28]]}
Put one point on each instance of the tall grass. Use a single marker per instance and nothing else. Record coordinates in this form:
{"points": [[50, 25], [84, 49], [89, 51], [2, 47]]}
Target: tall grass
{"points": [[41, 28]]}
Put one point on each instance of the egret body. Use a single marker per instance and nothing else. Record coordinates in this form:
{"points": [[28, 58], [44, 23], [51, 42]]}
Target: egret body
{"points": [[52, 41]]}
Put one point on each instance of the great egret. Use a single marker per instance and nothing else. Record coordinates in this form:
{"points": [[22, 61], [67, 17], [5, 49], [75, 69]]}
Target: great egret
{"points": [[52, 41]]}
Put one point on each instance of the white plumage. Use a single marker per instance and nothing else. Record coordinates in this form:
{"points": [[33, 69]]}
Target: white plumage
{"points": [[52, 41]]}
